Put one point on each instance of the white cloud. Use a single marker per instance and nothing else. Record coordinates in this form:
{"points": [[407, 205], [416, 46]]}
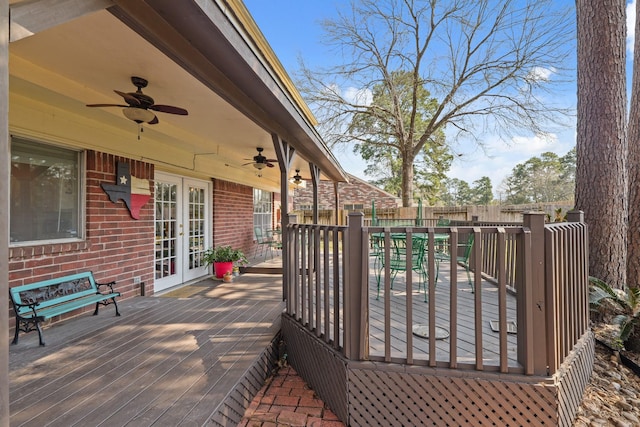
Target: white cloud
{"points": [[501, 157], [529, 146], [358, 96], [540, 74], [631, 25]]}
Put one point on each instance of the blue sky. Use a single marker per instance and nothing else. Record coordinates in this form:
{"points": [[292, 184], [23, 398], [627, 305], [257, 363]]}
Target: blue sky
{"points": [[292, 28]]}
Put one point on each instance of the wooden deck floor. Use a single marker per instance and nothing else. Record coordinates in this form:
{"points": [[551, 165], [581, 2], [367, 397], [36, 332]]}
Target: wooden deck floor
{"points": [[172, 360], [465, 345], [167, 361]]}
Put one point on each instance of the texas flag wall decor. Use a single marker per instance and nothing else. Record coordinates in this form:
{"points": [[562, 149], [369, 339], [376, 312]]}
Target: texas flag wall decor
{"points": [[134, 192]]}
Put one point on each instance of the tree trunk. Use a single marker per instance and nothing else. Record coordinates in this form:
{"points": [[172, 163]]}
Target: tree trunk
{"points": [[633, 164], [601, 173], [407, 179]]}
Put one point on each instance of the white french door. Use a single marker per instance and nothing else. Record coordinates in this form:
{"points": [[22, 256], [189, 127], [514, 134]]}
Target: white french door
{"points": [[182, 224]]}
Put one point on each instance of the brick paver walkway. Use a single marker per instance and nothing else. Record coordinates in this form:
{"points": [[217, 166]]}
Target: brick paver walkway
{"points": [[286, 400]]}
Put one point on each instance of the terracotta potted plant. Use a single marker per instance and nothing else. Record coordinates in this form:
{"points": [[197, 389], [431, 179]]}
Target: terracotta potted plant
{"points": [[223, 258]]}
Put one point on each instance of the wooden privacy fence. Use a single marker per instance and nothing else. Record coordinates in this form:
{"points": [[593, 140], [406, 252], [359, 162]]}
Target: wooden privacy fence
{"points": [[502, 213], [528, 310]]}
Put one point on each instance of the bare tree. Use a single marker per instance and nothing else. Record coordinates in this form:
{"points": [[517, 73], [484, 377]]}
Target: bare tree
{"points": [[486, 63], [601, 172]]}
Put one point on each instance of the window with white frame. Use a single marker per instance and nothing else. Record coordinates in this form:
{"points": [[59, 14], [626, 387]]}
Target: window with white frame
{"points": [[45, 193], [354, 207], [262, 209]]}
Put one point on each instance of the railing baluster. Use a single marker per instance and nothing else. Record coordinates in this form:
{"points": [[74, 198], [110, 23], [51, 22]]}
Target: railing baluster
{"points": [[432, 296], [337, 301], [387, 295], [318, 282], [453, 303], [308, 272], [476, 256], [408, 255], [326, 285], [501, 242], [304, 248]]}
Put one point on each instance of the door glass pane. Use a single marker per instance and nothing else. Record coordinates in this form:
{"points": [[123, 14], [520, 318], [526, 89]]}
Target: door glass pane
{"points": [[197, 222], [166, 227]]}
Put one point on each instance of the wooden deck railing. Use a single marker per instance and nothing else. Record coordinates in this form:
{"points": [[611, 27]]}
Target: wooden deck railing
{"points": [[567, 286], [317, 270], [328, 292]]}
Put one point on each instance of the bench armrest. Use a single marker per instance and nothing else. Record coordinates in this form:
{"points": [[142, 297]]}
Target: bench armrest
{"points": [[31, 305], [109, 284]]}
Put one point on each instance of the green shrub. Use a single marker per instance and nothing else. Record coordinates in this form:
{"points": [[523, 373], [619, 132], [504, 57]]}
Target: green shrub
{"points": [[623, 307]]}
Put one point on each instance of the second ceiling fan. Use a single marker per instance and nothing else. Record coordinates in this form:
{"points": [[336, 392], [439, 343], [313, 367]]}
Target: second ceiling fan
{"points": [[260, 161]]}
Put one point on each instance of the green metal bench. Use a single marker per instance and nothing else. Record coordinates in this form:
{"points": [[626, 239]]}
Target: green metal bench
{"points": [[36, 302]]}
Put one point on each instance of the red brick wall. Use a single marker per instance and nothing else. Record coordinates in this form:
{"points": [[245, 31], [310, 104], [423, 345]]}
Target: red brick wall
{"points": [[117, 247], [233, 215]]}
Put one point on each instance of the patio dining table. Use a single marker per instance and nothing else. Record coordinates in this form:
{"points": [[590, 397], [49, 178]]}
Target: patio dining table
{"points": [[440, 239], [397, 261]]}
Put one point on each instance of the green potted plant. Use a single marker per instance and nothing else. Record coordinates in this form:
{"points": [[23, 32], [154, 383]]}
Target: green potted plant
{"points": [[223, 257]]}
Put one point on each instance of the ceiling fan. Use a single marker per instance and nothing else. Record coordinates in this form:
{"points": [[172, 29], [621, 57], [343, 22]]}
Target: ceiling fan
{"points": [[138, 105], [260, 161]]}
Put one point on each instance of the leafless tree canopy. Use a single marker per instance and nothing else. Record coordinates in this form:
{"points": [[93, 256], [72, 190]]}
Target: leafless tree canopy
{"points": [[490, 64]]}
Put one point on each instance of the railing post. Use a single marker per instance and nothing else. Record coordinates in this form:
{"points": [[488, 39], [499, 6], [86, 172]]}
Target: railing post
{"points": [[355, 291], [531, 302], [575, 216]]}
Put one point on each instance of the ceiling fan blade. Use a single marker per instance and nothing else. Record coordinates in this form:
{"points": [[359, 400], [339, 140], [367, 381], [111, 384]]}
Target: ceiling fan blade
{"points": [[246, 164], [169, 109], [106, 105], [154, 121], [269, 165], [131, 100], [271, 161]]}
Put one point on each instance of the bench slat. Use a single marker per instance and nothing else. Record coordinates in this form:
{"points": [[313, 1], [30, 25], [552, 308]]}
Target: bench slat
{"points": [[59, 309], [60, 299], [44, 283]]}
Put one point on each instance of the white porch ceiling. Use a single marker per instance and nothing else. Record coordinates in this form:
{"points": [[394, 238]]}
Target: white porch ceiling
{"points": [[61, 69]]}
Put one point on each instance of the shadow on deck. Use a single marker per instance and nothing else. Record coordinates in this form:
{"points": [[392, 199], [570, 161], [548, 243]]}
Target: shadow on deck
{"points": [[193, 356]]}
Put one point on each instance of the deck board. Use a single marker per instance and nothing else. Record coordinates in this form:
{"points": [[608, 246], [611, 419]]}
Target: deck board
{"points": [[165, 361], [465, 318]]}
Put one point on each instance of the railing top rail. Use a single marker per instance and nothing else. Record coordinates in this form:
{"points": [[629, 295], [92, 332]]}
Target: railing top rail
{"points": [[445, 230], [455, 222], [565, 225], [318, 226]]}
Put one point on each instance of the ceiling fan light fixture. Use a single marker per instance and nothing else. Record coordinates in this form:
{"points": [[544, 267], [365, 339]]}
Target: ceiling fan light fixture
{"points": [[138, 115], [259, 166], [297, 179]]}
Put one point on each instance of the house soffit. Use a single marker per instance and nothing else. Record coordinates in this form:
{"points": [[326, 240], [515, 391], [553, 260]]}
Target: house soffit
{"points": [[82, 61]]}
